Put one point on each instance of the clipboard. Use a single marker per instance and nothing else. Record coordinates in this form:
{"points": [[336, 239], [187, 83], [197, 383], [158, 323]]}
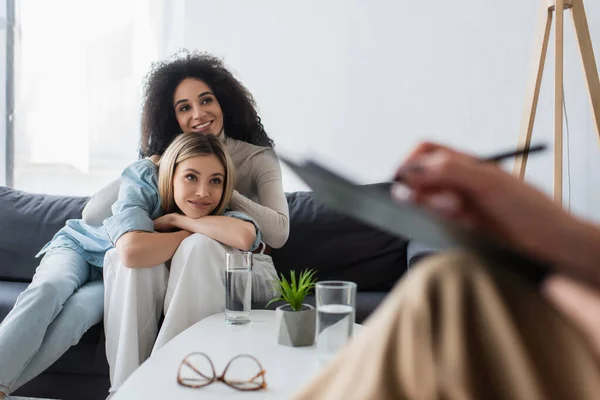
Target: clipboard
{"points": [[376, 208]]}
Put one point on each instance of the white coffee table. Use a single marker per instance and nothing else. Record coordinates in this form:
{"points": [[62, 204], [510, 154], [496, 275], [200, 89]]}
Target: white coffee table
{"points": [[288, 368]]}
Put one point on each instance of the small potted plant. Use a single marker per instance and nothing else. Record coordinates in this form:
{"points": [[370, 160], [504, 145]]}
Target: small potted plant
{"points": [[295, 320]]}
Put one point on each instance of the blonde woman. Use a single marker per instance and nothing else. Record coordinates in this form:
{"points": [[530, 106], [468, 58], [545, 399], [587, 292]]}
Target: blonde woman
{"points": [[180, 214], [188, 193], [460, 327]]}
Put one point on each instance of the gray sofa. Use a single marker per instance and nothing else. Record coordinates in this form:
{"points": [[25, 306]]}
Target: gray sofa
{"points": [[338, 247]]}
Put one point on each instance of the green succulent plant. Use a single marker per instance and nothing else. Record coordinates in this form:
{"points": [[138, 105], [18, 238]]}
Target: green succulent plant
{"points": [[295, 290]]}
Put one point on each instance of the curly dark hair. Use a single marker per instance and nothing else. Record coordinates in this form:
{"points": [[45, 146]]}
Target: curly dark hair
{"points": [[159, 124]]}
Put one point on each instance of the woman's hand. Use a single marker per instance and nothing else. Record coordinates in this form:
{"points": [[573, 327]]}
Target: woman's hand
{"points": [[479, 194], [166, 223]]}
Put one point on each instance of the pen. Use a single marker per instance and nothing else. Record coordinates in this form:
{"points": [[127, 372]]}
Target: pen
{"points": [[515, 153]]}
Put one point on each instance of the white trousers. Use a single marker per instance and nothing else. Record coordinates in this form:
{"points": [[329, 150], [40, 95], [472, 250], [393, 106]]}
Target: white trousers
{"points": [[193, 289]]}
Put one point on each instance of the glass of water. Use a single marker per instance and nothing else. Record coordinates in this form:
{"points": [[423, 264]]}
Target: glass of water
{"points": [[336, 305], [238, 287]]}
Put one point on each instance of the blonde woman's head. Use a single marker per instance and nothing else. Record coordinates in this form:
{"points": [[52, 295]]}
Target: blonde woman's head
{"points": [[195, 176]]}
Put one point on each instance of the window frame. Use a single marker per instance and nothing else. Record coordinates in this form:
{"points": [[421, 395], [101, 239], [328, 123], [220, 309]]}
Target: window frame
{"points": [[7, 112]]}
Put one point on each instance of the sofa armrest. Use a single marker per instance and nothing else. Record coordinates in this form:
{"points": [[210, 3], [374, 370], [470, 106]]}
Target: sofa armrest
{"points": [[416, 251]]}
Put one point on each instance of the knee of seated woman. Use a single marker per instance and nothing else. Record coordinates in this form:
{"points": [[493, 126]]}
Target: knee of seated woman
{"points": [[48, 292], [201, 253], [199, 242]]}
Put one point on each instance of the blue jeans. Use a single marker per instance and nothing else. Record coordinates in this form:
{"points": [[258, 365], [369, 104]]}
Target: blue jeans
{"points": [[64, 300]]}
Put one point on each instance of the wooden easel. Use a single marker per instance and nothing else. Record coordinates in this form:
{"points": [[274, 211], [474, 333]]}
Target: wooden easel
{"points": [[533, 91]]}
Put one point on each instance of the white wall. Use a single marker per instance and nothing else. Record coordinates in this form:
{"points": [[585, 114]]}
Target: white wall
{"points": [[359, 82]]}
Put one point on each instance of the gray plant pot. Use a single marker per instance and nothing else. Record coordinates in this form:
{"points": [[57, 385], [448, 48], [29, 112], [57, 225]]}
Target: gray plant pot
{"points": [[296, 328]]}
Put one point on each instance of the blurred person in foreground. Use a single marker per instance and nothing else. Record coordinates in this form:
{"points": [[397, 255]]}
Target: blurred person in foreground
{"points": [[456, 327]]}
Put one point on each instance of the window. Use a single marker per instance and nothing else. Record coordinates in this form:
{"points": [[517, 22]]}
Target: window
{"points": [[78, 72]]}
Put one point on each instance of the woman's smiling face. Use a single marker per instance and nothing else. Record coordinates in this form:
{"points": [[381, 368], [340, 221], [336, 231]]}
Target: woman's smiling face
{"points": [[196, 108], [198, 185]]}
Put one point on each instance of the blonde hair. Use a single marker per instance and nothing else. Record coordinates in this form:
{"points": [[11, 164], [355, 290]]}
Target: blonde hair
{"points": [[186, 146]]}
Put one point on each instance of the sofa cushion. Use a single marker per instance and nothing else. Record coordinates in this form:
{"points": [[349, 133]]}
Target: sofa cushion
{"points": [[29, 221], [339, 247]]}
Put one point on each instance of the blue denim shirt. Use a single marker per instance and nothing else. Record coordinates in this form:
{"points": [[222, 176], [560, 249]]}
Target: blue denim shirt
{"points": [[136, 208]]}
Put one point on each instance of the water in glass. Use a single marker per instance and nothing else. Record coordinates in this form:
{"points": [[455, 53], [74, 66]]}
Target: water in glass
{"points": [[335, 324], [238, 296]]}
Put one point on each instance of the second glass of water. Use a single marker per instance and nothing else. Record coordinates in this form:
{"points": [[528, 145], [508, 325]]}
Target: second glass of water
{"points": [[336, 305], [238, 288]]}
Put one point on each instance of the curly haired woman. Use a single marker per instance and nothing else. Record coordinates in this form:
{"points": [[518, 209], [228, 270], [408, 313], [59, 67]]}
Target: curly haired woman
{"points": [[191, 93]]}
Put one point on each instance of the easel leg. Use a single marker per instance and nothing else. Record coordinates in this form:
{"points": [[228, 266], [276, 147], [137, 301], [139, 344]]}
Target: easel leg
{"points": [[587, 56], [558, 102], [533, 90]]}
